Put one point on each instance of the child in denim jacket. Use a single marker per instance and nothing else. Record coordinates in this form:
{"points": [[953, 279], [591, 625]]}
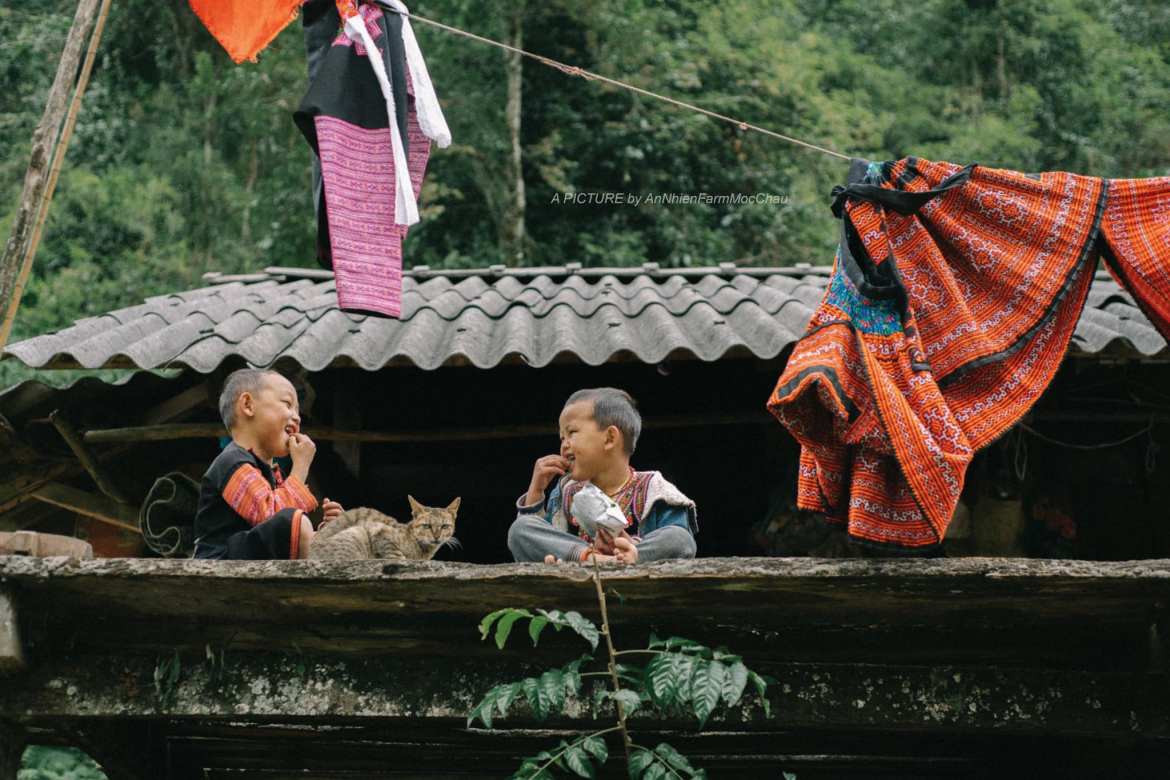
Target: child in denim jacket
{"points": [[599, 429]]}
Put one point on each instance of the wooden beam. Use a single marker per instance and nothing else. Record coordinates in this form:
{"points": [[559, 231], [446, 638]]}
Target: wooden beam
{"points": [[214, 430], [11, 648], [181, 404], [103, 480], [19, 491], [97, 507], [46, 158]]}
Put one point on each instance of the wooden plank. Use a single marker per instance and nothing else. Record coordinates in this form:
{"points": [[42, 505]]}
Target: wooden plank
{"points": [[214, 430], [97, 507], [20, 489], [11, 648], [291, 751], [750, 603]]}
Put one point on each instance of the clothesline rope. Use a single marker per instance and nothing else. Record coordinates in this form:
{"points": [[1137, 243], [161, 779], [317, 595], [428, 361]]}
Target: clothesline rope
{"points": [[1020, 459], [573, 70], [1104, 445]]}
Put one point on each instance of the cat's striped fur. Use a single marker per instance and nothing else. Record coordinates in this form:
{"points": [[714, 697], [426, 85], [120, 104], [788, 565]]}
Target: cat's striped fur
{"points": [[364, 533]]}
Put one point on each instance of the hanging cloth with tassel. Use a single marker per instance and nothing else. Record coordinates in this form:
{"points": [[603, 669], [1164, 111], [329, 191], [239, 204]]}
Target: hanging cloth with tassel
{"points": [[370, 115]]}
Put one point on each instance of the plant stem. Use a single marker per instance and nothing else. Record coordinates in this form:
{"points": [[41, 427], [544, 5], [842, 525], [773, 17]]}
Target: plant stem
{"points": [[641, 652], [548, 763], [627, 743]]}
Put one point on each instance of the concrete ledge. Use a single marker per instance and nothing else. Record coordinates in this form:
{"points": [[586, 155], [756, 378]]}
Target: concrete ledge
{"points": [[285, 686], [991, 569]]}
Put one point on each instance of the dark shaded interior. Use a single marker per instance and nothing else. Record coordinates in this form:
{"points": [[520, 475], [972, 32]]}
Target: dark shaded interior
{"points": [[475, 433]]}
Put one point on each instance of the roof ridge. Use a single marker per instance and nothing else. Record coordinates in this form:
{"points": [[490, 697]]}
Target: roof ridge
{"points": [[420, 272], [459, 321]]}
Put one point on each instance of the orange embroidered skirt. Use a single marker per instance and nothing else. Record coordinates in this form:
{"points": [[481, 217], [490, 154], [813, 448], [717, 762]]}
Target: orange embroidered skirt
{"points": [[953, 297]]}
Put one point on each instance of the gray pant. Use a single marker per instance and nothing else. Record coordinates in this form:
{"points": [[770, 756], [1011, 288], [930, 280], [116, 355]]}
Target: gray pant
{"points": [[530, 539]]}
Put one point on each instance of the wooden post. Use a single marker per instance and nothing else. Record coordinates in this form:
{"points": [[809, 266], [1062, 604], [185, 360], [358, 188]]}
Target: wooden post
{"points": [[39, 180], [103, 480], [11, 649], [12, 744], [514, 229]]}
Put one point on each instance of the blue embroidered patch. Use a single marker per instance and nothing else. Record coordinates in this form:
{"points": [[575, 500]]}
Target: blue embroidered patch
{"points": [[881, 318]]}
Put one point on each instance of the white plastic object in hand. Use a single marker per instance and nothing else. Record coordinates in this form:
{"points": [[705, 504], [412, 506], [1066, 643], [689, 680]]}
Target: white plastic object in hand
{"points": [[593, 509]]}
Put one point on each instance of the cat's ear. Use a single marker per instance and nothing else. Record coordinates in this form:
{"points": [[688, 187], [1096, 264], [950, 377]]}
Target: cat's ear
{"points": [[415, 507], [453, 507]]}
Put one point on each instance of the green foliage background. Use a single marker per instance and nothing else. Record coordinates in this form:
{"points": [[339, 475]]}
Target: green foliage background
{"points": [[183, 163], [50, 763]]}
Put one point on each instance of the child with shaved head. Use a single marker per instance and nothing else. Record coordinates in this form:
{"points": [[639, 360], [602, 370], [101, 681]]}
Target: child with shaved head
{"points": [[599, 430], [247, 509]]}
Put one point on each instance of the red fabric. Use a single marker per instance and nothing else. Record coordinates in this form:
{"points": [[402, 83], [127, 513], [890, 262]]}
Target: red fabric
{"points": [[250, 495], [294, 536], [942, 327], [245, 27]]}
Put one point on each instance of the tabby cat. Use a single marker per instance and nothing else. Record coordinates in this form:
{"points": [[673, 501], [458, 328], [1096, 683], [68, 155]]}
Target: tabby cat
{"points": [[364, 533]]}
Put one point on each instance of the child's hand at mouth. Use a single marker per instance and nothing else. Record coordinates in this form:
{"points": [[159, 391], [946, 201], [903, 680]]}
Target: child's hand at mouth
{"points": [[544, 471], [301, 448]]}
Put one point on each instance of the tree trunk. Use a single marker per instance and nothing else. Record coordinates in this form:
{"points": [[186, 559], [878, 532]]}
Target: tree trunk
{"points": [[207, 231], [1001, 66], [515, 232], [17, 259], [249, 190]]}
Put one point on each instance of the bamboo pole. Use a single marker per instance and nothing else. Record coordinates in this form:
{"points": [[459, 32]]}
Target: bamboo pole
{"points": [[48, 154]]}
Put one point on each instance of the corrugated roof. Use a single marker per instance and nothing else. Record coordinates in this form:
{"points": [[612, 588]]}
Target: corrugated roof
{"points": [[486, 317]]}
